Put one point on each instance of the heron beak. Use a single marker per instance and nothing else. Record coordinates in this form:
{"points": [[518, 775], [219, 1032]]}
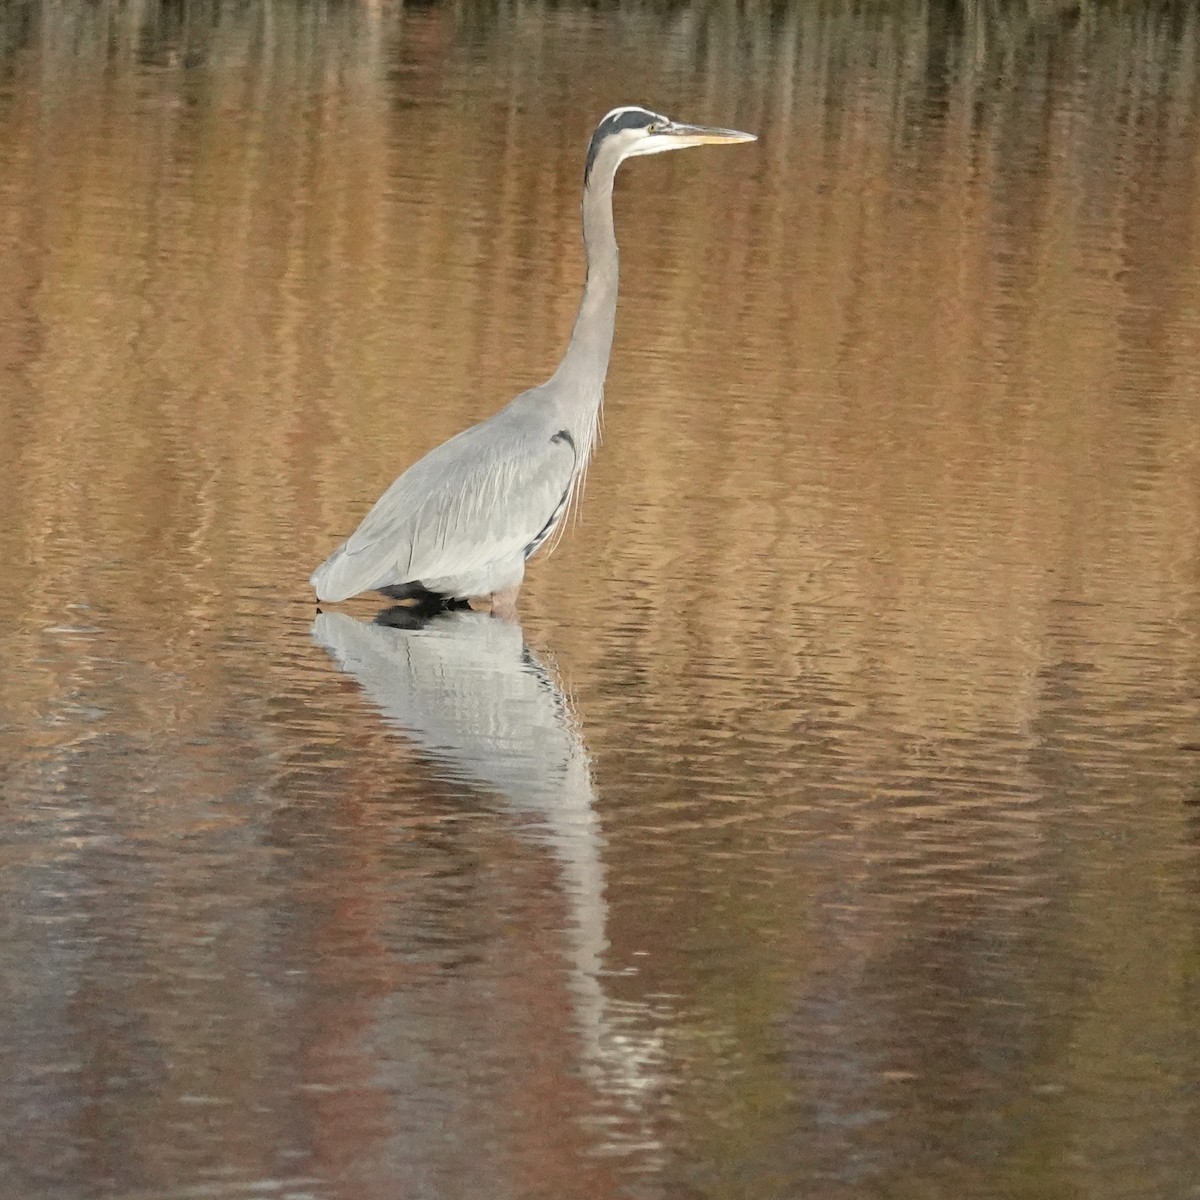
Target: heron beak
{"points": [[704, 135]]}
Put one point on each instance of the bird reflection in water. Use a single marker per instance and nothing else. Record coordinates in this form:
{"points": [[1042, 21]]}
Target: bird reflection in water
{"points": [[468, 692]]}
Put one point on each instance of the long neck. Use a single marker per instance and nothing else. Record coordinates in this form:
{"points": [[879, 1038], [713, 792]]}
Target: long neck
{"points": [[586, 360]]}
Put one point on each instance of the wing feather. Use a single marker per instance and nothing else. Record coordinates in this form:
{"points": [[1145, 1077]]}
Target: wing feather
{"points": [[482, 497]]}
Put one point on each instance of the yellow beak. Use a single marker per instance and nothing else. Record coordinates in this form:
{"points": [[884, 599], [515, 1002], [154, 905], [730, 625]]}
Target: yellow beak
{"points": [[703, 135]]}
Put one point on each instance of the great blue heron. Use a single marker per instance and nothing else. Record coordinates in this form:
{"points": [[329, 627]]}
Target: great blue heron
{"points": [[460, 523]]}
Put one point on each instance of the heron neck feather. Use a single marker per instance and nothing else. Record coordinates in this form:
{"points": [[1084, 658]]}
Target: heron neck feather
{"points": [[580, 375]]}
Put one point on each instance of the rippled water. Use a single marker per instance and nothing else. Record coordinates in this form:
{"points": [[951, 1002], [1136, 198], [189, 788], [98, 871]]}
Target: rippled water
{"points": [[827, 829]]}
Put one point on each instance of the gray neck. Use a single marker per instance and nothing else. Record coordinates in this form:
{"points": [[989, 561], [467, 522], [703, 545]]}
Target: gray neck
{"points": [[586, 361]]}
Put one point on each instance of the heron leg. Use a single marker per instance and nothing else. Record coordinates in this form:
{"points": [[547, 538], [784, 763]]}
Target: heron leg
{"points": [[502, 604]]}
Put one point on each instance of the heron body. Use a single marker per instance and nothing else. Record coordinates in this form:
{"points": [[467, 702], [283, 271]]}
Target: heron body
{"points": [[461, 522]]}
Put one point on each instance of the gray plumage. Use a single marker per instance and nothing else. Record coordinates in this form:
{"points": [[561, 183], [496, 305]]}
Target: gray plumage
{"points": [[461, 522]]}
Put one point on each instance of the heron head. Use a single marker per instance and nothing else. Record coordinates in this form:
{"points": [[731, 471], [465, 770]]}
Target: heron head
{"points": [[626, 132]]}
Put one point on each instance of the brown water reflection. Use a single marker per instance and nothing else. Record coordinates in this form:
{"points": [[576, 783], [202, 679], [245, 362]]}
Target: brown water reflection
{"points": [[828, 829]]}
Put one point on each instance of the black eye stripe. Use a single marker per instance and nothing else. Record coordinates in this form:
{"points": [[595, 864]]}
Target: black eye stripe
{"points": [[635, 118], [630, 118]]}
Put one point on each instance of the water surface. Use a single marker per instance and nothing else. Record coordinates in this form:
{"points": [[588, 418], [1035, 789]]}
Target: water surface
{"points": [[827, 828]]}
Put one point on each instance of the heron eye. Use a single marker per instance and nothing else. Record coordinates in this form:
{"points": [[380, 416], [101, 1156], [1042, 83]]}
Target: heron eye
{"points": [[657, 126]]}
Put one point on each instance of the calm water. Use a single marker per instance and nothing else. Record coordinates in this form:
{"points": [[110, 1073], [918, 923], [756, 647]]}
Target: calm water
{"points": [[829, 827]]}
